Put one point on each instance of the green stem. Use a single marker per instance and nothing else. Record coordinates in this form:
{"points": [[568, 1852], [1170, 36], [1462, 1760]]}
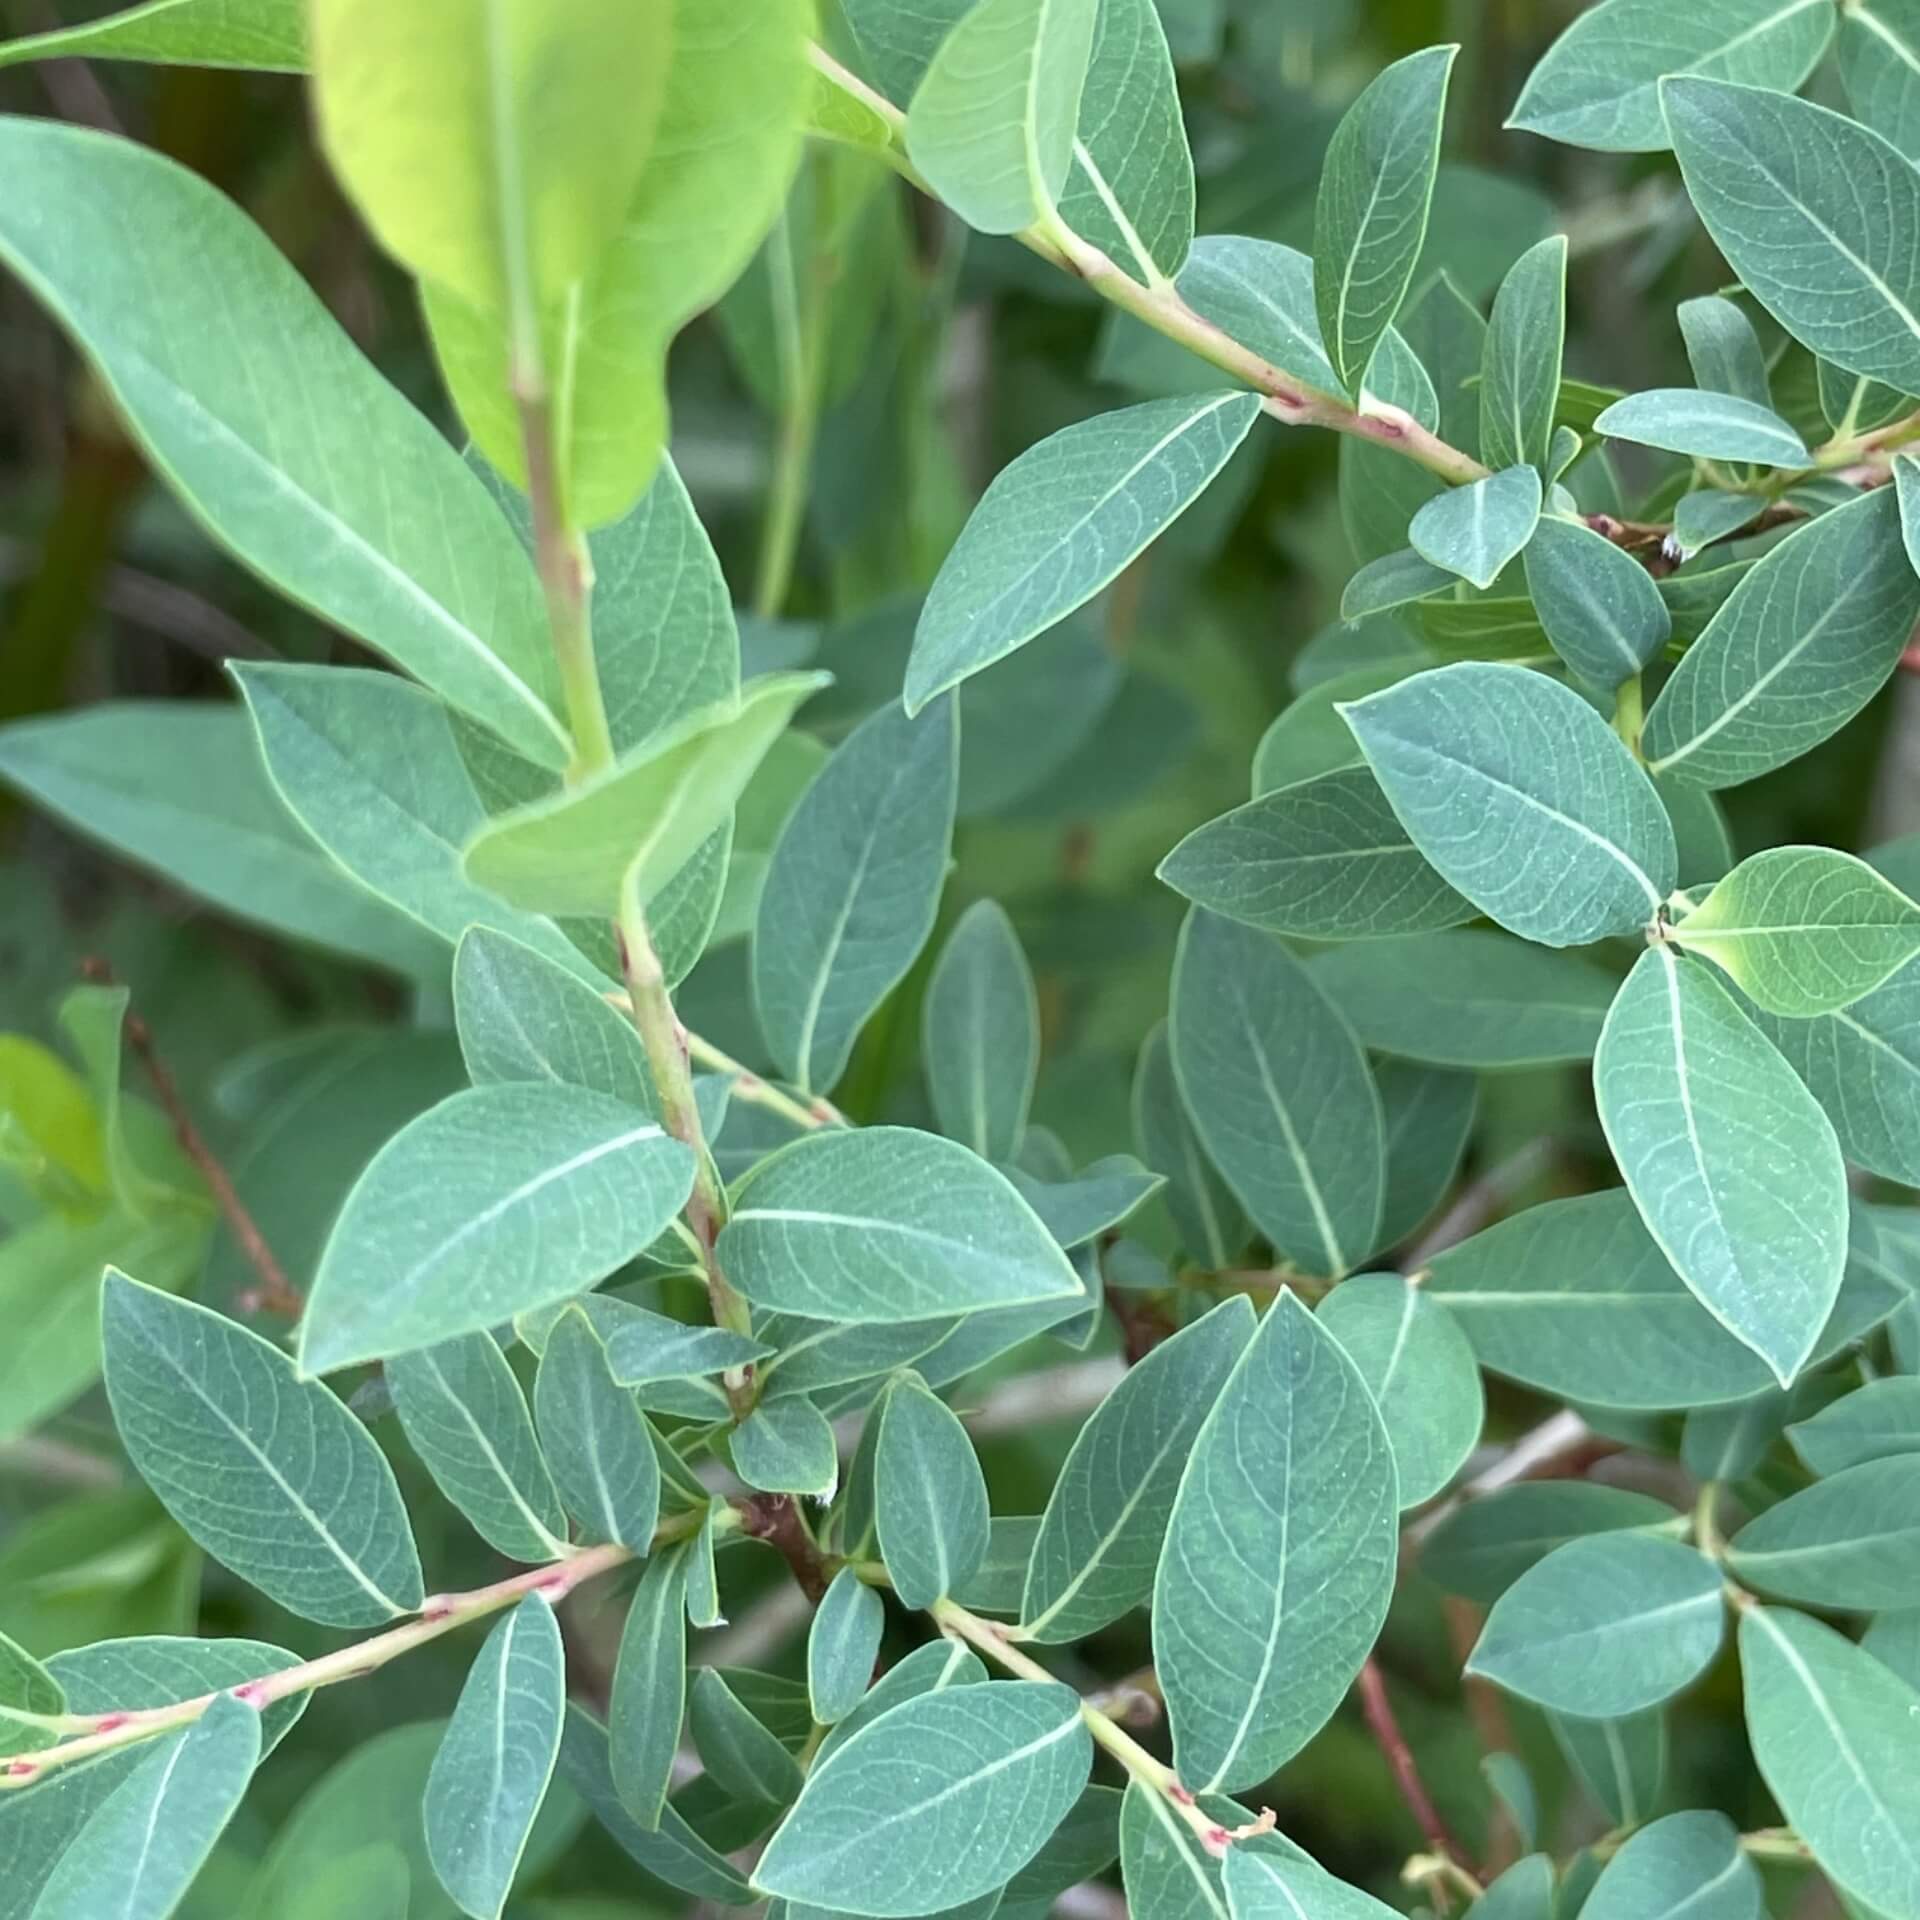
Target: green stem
{"points": [[797, 303], [1629, 714], [1706, 1530]]}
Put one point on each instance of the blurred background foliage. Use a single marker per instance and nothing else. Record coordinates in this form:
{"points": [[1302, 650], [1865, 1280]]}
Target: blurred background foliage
{"points": [[833, 418]]}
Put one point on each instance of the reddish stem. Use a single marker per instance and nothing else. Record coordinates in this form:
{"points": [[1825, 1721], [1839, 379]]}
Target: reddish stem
{"points": [[1385, 1729]]}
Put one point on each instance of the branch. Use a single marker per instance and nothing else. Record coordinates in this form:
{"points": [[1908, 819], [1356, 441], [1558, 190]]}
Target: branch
{"points": [[774, 1518], [1385, 1728]]}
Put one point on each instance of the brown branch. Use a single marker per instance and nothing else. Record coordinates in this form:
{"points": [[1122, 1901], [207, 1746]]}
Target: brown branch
{"points": [[1385, 1729], [275, 1293], [774, 1518]]}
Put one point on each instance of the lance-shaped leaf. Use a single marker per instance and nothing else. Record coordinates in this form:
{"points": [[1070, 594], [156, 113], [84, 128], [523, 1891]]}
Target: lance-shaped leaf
{"points": [[1723, 350], [1206, 1216], [1326, 859], [494, 154], [886, 1224], [1370, 220], [1733, 1166], [1688, 1863], [929, 1496], [1279, 1556], [993, 120], [842, 1645], [1523, 798], [629, 830], [1804, 930], [1605, 1626], [498, 1199], [1394, 580], [1818, 216], [1420, 1369], [139, 1853], [1850, 1541], [1879, 60], [1100, 1537], [643, 1347], [1832, 1730], [741, 1753], [787, 1446], [1061, 522], [717, 173], [853, 887], [466, 1418], [1279, 1092], [1599, 83], [1709, 426], [1471, 998], [266, 36], [268, 1472], [1577, 1298], [980, 1036], [650, 1688], [597, 1441], [1599, 605], [1803, 642], [1481, 1548], [496, 1758], [1475, 530], [1520, 368], [199, 330], [29, 1695], [1873, 1422], [938, 1801]]}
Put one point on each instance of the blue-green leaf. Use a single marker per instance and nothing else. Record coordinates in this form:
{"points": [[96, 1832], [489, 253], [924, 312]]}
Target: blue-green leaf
{"points": [[929, 1495], [1475, 530], [786, 1445], [842, 1645], [596, 1439], [1599, 605], [1873, 1422], [1709, 426], [980, 1037], [1520, 371], [1206, 1216], [1851, 1540], [650, 1688]]}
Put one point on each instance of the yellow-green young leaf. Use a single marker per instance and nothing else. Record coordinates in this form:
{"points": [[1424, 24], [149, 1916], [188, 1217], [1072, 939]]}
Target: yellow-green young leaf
{"points": [[929, 1496], [1803, 930], [268, 1472], [50, 1134], [715, 177], [29, 1695], [493, 145], [139, 1853], [627, 832], [491, 1772], [261, 35], [992, 123]]}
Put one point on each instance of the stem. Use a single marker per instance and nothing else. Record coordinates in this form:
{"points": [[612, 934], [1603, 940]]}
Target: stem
{"points": [[796, 322], [438, 1616], [748, 1085], [1385, 1728], [1629, 714]]}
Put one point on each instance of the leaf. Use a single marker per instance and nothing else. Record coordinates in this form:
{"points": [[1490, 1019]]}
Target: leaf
{"points": [[1475, 530], [740, 1753], [1575, 1297], [629, 830], [1325, 859], [1733, 1166], [1818, 216], [595, 1438], [853, 888], [1523, 798], [1894, 1640], [1167, 1871], [178, 787], [199, 329], [928, 1669], [263, 36], [1803, 930], [930, 1498], [672, 1851], [29, 1695], [716, 175], [1873, 1422], [1605, 1627], [370, 768], [140, 1851], [886, 1224], [650, 1689], [1688, 1863], [1524, 1892], [993, 120], [1709, 426], [1879, 59], [465, 1417], [266, 1471], [1728, 1443], [494, 154], [1520, 372], [1472, 998], [491, 1772], [1480, 1549], [787, 1446], [1599, 84], [1723, 350], [1279, 1092], [1100, 1537], [1370, 219], [498, 1199], [1279, 1557], [1394, 580], [1765, 681], [1851, 1540], [1206, 1216], [1906, 479], [1061, 522], [842, 1645], [1829, 1725], [980, 1034], [1270, 1886], [1599, 606], [938, 1801], [644, 1347], [1429, 1114], [1623, 1763], [1421, 1372], [1380, 492], [1261, 294]]}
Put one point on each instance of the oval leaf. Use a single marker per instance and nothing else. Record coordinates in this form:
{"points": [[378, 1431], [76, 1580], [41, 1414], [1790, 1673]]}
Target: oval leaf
{"points": [[929, 1496]]}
